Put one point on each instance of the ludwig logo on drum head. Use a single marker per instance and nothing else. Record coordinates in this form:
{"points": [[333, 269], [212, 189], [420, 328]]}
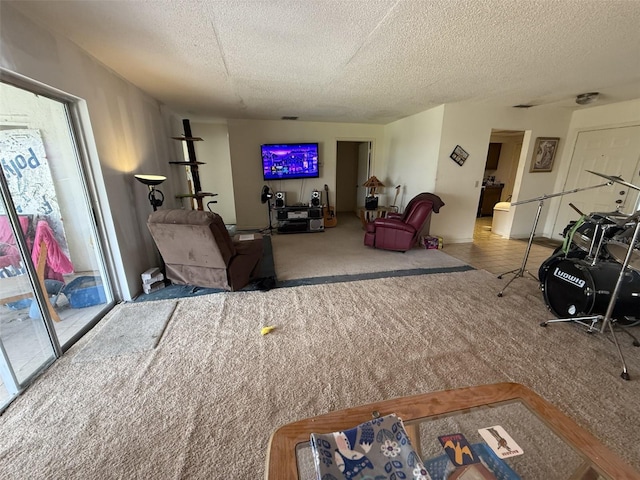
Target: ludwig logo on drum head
{"points": [[567, 277]]}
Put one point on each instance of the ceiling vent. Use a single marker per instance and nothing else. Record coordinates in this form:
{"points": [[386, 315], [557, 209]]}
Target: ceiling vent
{"points": [[289, 118], [522, 105], [587, 98]]}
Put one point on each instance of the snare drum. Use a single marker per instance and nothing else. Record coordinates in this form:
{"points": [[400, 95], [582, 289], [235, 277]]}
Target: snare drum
{"points": [[575, 288]]}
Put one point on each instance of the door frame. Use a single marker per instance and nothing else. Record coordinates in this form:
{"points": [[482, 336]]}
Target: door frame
{"points": [[369, 166]]}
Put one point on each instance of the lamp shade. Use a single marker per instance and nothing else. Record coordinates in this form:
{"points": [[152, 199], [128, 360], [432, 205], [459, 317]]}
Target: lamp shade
{"points": [[150, 180], [373, 182]]}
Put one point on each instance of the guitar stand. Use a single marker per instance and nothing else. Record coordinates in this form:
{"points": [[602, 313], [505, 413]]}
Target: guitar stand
{"points": [[607, 320]]}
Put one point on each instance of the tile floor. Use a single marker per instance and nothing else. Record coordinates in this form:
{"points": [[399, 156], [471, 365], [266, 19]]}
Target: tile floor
{"points": [[495, 254]]}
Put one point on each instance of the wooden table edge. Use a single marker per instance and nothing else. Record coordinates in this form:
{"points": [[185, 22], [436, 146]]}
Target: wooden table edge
{"points": [[283, 441]]}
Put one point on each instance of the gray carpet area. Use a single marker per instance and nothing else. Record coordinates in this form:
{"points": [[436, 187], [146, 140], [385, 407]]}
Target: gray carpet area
{"points": [[340, 252], [131, 329], [203, 403]]}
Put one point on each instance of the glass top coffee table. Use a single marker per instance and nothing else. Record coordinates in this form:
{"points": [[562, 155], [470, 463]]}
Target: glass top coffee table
{"points": [[554, 446]]}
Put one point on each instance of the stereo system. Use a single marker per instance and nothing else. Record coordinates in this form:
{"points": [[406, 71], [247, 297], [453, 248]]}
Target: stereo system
{"points": [[280, 199], [300, 219]]}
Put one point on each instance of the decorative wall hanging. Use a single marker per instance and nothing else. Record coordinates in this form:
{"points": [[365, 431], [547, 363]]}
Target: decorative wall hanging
{"points": [[459, 155], [544, 153]]}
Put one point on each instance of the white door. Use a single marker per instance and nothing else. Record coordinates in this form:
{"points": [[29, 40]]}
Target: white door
{"points": [[614, 152]]}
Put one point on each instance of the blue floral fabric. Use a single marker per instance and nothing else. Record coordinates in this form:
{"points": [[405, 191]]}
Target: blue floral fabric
{"points": [[376, 450]]}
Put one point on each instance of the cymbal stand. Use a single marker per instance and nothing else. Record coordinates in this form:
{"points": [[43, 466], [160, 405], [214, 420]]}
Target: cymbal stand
{"points": [[519, 272], [607, 320]]}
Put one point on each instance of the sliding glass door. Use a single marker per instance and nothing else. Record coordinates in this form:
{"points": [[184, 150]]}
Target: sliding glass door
{"points": [[53, 281]]}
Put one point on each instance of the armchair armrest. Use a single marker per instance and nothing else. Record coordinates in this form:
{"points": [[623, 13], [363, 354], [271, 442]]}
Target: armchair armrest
{"points": [[393, 224]]}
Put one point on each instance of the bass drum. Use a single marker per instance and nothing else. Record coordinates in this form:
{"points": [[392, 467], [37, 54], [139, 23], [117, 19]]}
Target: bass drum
{"points": [[574, 288], [558, 254]]}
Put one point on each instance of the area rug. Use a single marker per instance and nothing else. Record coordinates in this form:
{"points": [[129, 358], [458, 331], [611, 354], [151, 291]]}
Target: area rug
{"points": [[204, 402], [340, 252], [126, 330]]}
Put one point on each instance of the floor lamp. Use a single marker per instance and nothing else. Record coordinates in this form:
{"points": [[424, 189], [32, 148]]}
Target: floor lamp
{"points": [[156, 197]]}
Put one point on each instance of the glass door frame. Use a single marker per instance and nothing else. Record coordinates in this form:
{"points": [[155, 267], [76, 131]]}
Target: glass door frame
{"points": [[77, 119], [7, 373]]}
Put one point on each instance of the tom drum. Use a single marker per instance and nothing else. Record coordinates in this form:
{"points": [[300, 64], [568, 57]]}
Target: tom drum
{"points": [[590, 234]]}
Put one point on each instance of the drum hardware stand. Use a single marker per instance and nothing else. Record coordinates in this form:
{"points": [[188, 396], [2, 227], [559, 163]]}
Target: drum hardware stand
{"points": [[607, 320], [519, 272]]}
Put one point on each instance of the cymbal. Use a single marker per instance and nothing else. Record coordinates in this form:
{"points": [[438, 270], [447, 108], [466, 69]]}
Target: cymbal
{"points": [[616, 179]]}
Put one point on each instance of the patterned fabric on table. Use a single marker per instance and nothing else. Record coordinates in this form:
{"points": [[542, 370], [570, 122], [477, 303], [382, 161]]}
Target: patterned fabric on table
{"points": [[378, 450]]}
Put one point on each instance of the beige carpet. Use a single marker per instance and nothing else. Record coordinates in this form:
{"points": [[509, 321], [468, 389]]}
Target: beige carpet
{"points": [[133, 328], [341, 251], [205, 401]]}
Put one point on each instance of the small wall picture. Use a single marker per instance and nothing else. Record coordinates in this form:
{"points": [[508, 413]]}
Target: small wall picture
{"points": [[459, 155], [544, 153]]}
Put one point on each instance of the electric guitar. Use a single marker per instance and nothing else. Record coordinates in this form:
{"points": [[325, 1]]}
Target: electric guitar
{"points": [[330, 219], [396, 198]]}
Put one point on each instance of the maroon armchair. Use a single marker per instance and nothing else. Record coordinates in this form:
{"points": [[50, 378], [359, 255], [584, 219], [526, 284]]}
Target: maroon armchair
{"points": [[401, 232]]}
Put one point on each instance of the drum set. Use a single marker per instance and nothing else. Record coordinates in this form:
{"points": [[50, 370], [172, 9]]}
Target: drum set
{"points": [[595, 275]]}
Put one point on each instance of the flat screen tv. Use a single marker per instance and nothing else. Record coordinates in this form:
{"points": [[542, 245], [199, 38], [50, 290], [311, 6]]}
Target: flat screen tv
{"points": [[281, 161]]}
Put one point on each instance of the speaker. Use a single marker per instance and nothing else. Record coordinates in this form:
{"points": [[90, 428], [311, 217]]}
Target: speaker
{"points": [[315, 199], [280, 200], [316, 225], [281, 215], [371, 203]]}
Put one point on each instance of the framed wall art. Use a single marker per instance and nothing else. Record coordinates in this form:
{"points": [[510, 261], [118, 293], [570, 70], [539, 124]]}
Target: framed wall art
{"points": [[459, 155], [544, 153]]}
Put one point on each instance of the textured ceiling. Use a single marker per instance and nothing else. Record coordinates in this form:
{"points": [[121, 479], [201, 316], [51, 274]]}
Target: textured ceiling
{"points": [[370, 61]]}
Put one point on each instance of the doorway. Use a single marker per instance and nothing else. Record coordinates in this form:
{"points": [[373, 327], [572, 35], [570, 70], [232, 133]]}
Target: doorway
{"points": [[53, 280], [353, 167], [498, 181]]}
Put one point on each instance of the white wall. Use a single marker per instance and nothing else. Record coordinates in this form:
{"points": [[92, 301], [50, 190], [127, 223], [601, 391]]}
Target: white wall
{"points": [[245, 138], [593, 118], [470, 127], [411, 156], [215, 175], [126, 133]]}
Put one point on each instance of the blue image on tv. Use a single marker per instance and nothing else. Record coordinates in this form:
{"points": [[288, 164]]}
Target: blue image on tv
{"points": [[283, 161]]}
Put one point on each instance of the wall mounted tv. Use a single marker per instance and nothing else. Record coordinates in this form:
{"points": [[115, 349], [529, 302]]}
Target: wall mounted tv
{"points": [[281, 161]]}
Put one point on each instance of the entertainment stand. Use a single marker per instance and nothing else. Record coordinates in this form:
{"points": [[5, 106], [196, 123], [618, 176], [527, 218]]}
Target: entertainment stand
{"points": [[299, 219]]}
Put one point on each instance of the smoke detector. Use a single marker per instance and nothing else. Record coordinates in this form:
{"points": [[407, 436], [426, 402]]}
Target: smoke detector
{"points": [[587, 98]]}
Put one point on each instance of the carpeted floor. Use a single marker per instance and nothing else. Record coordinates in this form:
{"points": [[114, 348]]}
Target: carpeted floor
{"points": [[334, 256], [340, 252], [133, 328], [205, 401]]}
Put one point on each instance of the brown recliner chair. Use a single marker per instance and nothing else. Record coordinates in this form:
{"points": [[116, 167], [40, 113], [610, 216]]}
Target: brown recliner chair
{"points": [[197, 250], [401, 232]]}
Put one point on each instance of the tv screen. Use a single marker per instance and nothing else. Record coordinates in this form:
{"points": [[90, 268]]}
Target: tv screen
{"points": [[281, 161]]}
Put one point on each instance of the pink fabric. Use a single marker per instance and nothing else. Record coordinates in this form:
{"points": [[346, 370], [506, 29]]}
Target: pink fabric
{"points": [[9, 253], [57, 262]]}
